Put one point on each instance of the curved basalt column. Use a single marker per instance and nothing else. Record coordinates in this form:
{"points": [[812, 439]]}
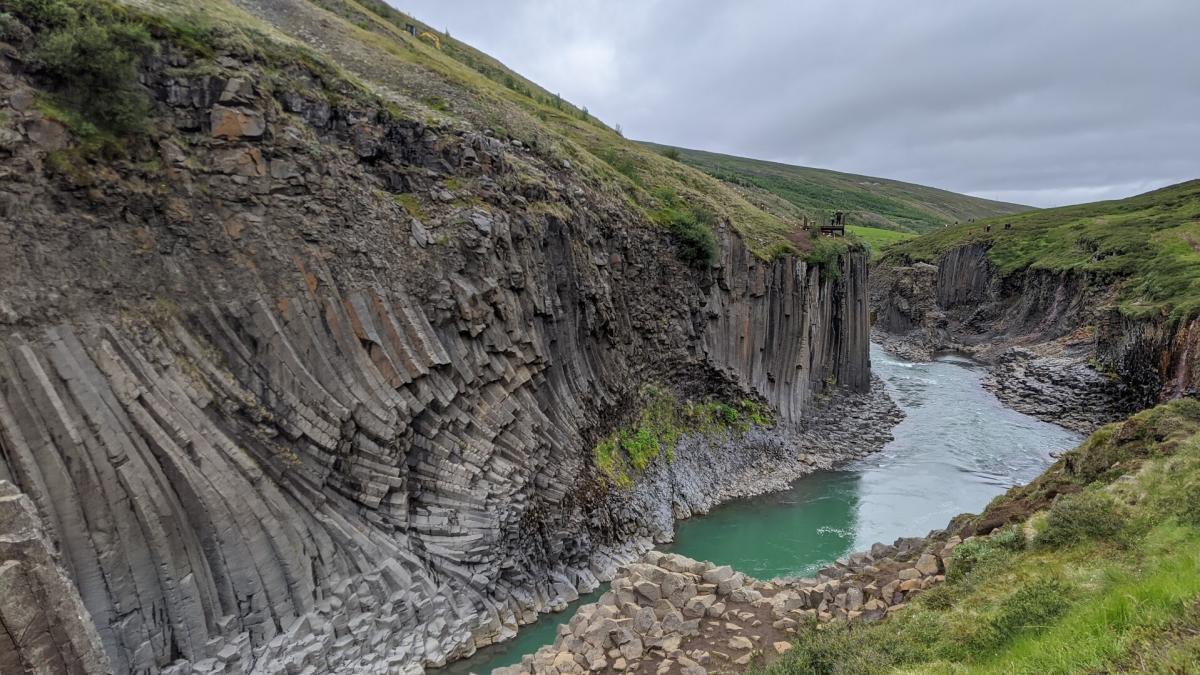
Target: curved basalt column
{"points": [[44, 627], [289, 424], [329, 478]]}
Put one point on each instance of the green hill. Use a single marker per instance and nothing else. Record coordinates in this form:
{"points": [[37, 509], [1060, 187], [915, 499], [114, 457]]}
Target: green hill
{"points": [[1149, 244], [873, 202]]}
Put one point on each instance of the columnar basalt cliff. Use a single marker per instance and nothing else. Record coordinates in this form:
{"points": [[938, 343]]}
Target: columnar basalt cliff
{"points": [[276, 416], [1058, 346]]}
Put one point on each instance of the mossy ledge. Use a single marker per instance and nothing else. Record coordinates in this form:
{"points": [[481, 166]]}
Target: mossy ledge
{"points": [[663, 419]]}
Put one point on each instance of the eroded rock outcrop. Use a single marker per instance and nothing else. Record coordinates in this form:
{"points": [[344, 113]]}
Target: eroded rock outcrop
{"points": [[311, 388]]}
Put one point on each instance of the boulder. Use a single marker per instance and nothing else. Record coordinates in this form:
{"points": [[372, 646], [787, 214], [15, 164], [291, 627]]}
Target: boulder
{"points": [[633, 649], [690, 667], [698, 605], [928, 564], [854, 598], [718, 574], [740, 642], [644, 620], [648, 590], [729, 585], [672, 622]]}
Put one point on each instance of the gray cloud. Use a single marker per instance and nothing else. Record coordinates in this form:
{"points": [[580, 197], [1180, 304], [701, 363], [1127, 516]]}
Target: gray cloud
{"points": [[1044, 102]]}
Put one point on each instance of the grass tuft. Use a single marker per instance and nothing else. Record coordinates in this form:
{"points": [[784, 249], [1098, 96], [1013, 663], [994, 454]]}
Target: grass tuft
{"points": [[691, 226]]}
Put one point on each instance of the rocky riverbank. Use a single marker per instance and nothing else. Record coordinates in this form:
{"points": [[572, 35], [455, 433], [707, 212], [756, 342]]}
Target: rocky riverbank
{"points": [[670, 614]]}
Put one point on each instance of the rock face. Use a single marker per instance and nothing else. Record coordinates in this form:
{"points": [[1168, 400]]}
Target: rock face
{"points": [[314, 389], [44, 627], [668, 613], [1057, 347]]}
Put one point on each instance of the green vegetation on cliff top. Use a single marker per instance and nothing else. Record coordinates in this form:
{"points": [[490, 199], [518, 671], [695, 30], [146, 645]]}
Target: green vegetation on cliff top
{"points": [[1099, 571], [1148, 245], [433, 77], [870, 202]]}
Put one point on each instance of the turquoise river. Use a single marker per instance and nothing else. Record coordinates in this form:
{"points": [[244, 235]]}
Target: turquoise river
{"points": [[957, 448]]}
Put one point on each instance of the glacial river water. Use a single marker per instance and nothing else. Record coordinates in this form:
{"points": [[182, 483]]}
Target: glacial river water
{"points": [[957, 448]]}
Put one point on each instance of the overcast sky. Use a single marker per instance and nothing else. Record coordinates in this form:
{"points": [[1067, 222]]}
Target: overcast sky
{"points": [[1043, 102]]}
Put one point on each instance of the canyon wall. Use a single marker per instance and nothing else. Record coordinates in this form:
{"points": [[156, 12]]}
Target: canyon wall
{"points": [[1058, 346], [272, 415]]}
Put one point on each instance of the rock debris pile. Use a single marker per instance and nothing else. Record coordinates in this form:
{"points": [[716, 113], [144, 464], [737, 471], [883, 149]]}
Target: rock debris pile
{"points": [[670, 614]]}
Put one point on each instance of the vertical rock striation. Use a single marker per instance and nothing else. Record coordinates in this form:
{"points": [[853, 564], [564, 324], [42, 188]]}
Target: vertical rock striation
{"points": [[788, 327]]}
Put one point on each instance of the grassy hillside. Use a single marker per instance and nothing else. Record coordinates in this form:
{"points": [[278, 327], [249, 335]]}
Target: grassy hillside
{"points": [[1098, 571], [1149, 244], [449, 85], [874, 202]]}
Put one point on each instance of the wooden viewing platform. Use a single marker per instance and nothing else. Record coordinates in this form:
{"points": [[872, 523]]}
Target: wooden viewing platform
{"points": [[836, 226]]}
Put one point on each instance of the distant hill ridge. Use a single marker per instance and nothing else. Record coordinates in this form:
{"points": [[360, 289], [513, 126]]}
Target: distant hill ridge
{"points": [[869, 201]]}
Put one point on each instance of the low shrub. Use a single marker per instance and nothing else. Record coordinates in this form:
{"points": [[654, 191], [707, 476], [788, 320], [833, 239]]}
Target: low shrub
{"points": [[980, 553], [89, 53], [1090, 514], [1031, 608], [1011, 538], [43, 13], [1189, 504], [661, 422], [967, 556], [690, 225], [94, 63], [622, 162], [827, 253], [697, 245], [1154, 432], [11, 29]]}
